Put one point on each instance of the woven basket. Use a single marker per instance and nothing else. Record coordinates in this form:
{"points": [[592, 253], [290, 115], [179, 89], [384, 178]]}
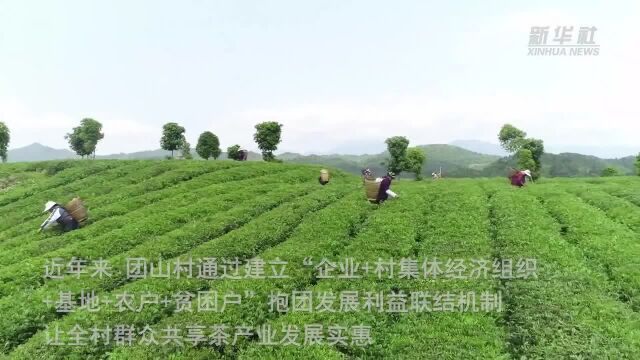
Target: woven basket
{"points": [[77, 210], [371, 188], [324, 175]]}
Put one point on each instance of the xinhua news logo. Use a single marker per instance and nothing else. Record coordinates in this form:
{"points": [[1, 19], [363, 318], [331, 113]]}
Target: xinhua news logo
{"points": [[563, 43]]}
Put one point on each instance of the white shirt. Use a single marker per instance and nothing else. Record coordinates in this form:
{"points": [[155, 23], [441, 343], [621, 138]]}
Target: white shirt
{"points": [[55, 215]]}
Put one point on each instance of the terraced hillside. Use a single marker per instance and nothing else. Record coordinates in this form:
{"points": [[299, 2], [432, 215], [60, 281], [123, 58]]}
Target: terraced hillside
{"points": [[205, 260]]}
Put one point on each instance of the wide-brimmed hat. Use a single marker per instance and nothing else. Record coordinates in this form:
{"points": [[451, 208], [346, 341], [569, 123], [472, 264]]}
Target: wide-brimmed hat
{"points": [[49, 205]]}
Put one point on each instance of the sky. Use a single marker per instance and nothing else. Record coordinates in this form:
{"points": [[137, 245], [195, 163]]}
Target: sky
{"points": [[341, 76]]}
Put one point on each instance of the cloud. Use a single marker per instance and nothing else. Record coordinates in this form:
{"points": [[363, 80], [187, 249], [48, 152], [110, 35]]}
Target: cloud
{"points": [[27, 126], [19, 117], [312, 127], [127, 135], [586, 101], [555, 117], [579, 101], [49, 128]]}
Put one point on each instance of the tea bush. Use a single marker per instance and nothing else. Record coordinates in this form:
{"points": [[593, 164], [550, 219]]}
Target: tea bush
{"points": [[582, 233]]}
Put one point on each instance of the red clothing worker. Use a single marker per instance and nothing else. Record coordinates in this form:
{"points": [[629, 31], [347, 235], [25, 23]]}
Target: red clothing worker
{"points": [[519, 178]]}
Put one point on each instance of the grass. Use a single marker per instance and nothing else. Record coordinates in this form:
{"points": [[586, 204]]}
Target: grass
{"points": [[583, 234]]}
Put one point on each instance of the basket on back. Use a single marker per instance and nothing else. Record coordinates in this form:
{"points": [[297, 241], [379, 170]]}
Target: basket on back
{"points": [[371, 188], [77, 210], [324, 175]]}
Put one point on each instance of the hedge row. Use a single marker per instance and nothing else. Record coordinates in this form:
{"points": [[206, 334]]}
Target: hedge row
{"points": [[323, 234], [30, 215], [148, 183], [457, 227], [390, 232], [111, 217], [149, 221], [619, 209], [20, 197], [627, 193], [566, 312], [610, 247], [260, 233], [24, 324]]}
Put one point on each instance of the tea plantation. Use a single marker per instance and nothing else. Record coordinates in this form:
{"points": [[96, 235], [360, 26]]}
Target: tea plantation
{"points": [[452, 269]]}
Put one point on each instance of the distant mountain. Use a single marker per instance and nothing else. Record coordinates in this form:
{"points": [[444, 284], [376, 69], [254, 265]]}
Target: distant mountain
{"points": [[603, 152], [162, 154], [567, 165], [150, 155], [458, 155], [459, 162], [38, 152], [454, 161], [481, 147], [572, 164]]}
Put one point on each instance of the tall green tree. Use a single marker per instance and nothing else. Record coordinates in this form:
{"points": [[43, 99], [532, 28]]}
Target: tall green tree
{"points": [[610, 171], [638, 164], [414, 161], [208, 146], [5, 137], [514, 141], [267, 137], [397, 147], [536, 147], [84, 139], [525, 159], [185, 148], [511, 138], [233, 152], [172, 137], [76, 142], [92, 134]]}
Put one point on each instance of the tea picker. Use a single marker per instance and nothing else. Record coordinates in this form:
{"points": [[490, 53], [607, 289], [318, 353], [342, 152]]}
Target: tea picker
{"points": [[243, 154], [435, 175], [324, 177], [385, 188], [519, 178], [69, 217], [378, 190]]}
